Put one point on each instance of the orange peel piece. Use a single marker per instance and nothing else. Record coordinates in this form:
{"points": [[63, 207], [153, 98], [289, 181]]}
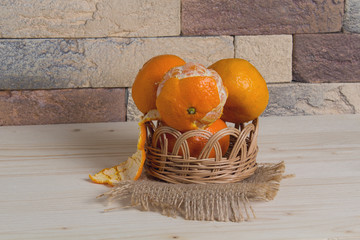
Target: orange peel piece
{"points": [[132, 168]]}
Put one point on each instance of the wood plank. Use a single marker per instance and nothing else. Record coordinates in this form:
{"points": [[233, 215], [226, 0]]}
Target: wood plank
{"points": [[45, 192]]}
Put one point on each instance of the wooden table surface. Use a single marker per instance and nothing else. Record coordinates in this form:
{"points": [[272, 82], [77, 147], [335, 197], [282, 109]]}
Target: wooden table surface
{"points": [[45, 192]]}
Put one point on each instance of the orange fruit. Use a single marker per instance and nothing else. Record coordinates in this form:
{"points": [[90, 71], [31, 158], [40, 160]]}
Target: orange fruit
{"points": [[197, 143], [131, 169], [248, 92], [148, 78], [190, 97]]}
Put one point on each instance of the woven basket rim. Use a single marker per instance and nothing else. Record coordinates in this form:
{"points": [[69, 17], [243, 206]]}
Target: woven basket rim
{"points": [[237, 163]]}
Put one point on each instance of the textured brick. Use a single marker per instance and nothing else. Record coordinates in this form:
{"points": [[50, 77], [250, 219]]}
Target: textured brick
{"points": [[62, 106], [352, 16], [39, 64], [233, 17], [326, 58], [313, 99], [89, 18], [270, 54], [111, 62]]}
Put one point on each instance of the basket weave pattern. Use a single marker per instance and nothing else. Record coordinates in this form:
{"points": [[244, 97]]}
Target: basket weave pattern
{"points": [[238, 163]]}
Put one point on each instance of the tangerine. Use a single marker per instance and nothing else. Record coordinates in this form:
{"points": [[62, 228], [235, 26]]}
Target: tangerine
{"points": [[248, 92], [146, 82], [197, 143], [190, 97]]}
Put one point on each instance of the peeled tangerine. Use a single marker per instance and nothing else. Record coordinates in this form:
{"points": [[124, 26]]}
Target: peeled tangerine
{"points": [[190, 97]]}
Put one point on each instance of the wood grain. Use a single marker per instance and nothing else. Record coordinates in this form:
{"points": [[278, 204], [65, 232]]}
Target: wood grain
{"points": [[45, 192]]}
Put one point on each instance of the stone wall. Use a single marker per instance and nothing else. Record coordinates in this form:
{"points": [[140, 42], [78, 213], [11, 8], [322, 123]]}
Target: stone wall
{"points": [[69, 61]]}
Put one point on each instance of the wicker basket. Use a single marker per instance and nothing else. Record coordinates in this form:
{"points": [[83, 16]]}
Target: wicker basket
{"points": [[238, 163]]}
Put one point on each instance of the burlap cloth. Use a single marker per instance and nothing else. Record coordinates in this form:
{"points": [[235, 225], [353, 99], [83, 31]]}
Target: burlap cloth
{"points": [[203, 202]]}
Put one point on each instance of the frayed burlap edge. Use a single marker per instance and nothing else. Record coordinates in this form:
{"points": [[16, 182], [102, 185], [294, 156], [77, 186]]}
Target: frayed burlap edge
{"points": [[203, 202]]}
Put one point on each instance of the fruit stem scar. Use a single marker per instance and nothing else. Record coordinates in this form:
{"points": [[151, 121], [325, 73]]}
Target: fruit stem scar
{"points": [[191, 110]]}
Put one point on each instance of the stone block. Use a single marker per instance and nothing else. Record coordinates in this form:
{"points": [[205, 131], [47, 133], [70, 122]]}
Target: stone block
{"points": [[44, 64], [313, 99], [89, 18], [132, 112], [233, 17], [110, 62], [62, 106], [352, 16], [326, 58], [270, 54]]}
